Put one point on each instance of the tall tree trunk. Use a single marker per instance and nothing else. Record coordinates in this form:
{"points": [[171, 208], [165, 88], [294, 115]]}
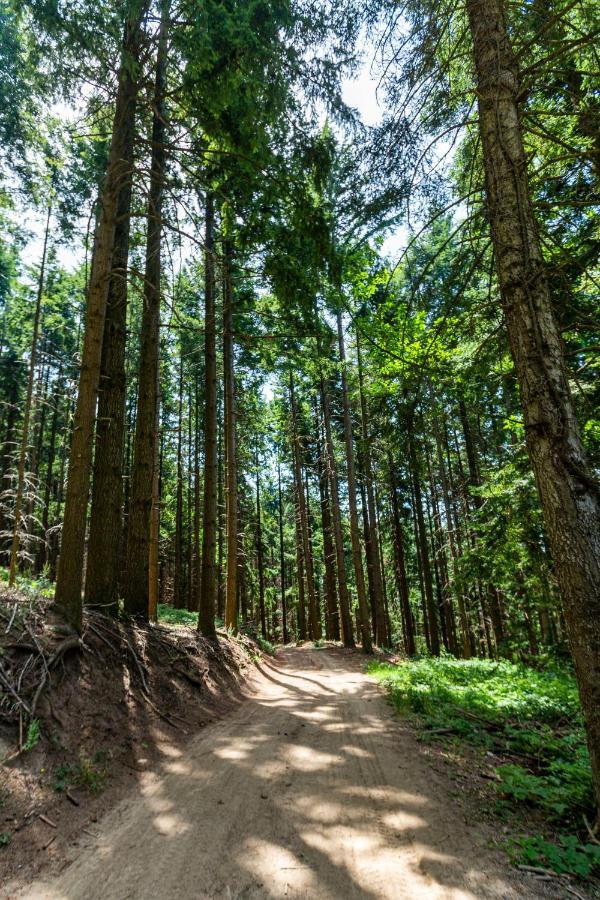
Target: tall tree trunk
{"points": [[231, 612], [300, 581], [462, 614], [569, 494], [197, 508], [56, 398], [345, 620], [332, 624], [377, 588], [284, 625], [313, 620], [136, 584], [432, 623], [153, 549], [400, 570], [359, 575], [316, 625], [260, 556], [178, 602], [106, 515], [207, 600], [68, 600], [16, 535]]}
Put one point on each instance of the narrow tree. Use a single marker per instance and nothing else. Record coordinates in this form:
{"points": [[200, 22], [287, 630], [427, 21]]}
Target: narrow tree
{"points": [[359, 575]]}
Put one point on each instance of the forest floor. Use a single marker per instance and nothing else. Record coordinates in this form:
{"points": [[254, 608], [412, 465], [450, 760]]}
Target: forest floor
{"points": [[309, 788]]}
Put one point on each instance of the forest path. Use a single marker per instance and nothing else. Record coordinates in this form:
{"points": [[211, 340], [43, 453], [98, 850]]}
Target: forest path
{"points": [[310, 788]]}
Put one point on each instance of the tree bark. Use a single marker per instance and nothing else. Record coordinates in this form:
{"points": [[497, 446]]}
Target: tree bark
{"points": [[377, 589], [260, 556], [313, 621], [231, 611], [16, 535], [345, 620], [284, 625], [178, 602], [400, 570], [136, 586], [569, 494], [332, 629], [434, 638], [68, 599], [207, 599], [106, 516], [359, 575]]}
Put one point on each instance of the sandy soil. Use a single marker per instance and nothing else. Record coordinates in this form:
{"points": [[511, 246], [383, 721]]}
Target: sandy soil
{"points": [[311, 788]]}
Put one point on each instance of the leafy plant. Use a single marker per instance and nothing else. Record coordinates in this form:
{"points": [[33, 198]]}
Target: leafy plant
{"points": [[88, 774], [33, 735], [510, 709], [265, 646], [5, 838], [569, 857]]}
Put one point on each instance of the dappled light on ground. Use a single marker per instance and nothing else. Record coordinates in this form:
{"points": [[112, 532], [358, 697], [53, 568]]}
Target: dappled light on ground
{"points": [[310, 789]]}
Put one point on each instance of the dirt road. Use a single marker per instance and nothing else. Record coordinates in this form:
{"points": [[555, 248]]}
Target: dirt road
{"points": [[309, 789]]}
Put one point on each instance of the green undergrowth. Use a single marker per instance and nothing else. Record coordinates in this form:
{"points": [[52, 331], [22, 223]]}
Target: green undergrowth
{"points": [[531, 722], [88, 774], [32, 587], [168, 615]]}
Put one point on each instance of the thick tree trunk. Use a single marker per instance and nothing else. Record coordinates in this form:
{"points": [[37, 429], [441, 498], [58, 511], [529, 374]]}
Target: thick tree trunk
{"points": [[16, 535], [345, 620], [231, 611], [69, 580], [569, 494], [106, 515], [363, 608], [136, 585]]}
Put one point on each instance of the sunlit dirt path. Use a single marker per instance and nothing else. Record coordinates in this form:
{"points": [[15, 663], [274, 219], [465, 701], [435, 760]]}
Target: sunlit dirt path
{"points": [[309, 789]]}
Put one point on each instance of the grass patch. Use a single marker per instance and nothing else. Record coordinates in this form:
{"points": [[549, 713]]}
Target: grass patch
{"points": [[531, 720], [168, 615]]}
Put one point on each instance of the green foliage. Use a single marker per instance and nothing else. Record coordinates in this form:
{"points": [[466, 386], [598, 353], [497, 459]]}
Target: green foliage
{"points": [[5, 838], [569, 857], [33, 735], [508, 708], [168, 615], [265, 646], [30, 586], [88, 774]]}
